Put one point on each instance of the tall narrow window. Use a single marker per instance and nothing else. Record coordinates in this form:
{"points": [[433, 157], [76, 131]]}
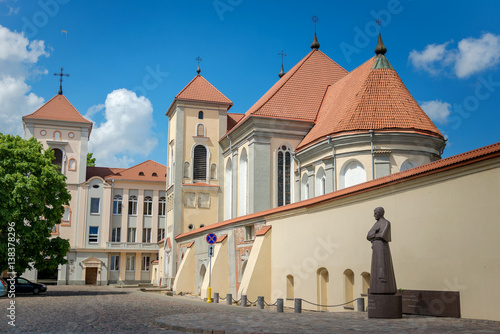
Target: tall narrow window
{"points": [[213, 172], [94, 205], [72, 164], [146, 260], [284, 175], [200, 163], [58, 159], [148, 206], [132, 205], [186, 170], [200, 114], [131, 234], [161, 206], [320, 182], [130, 263], [161, 234], [93, 234], [348, 288], [146, 235], [115, 234], [200, 130], [243, 184], [289, 287], [117, 205], [114, 263], [228, 190]]}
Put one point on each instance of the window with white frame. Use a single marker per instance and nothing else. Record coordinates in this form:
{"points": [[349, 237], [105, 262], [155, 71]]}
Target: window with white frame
{"points": [[161, 234], [249, 232], [146, 235], [130, 263], [284, 175], [146, 261], [94, 205], [148, 206], [131, 234], [66, 218], [114, 264], [115, 234], [161, 206], [93, 234], [117, 205], [132, 205]]}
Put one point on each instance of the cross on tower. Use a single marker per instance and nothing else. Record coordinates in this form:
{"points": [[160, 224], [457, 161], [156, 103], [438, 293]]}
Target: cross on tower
{"points": [[379, 23], [60, 80], [282, 54], [199, 60], [315, 20]]}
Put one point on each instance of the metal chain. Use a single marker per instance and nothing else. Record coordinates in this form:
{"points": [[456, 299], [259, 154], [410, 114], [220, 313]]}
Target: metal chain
{"points": [[329, 305]]}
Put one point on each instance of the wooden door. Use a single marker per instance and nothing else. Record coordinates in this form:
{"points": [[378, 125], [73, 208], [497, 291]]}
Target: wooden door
{"points": [[91, 276]]}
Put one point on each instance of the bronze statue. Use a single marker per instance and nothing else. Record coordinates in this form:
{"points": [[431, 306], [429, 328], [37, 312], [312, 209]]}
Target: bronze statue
{"points": [[382, 279]]}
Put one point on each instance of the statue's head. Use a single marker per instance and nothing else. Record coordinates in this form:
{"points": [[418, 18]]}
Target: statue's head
{"points": [[378, 213]]}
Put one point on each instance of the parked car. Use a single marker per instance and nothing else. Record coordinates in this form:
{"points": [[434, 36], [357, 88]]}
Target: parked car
{"points": [[3, 288], [25, 286]]}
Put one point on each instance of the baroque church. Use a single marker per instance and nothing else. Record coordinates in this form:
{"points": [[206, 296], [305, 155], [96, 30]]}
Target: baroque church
{"points": [[289, 189]]}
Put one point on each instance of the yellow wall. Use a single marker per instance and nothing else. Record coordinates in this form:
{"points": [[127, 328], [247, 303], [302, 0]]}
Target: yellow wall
{"points": [[185, 280], [220, 271]]}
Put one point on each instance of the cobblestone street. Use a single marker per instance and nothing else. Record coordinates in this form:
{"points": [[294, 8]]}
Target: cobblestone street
{"points": [[93, 309]]}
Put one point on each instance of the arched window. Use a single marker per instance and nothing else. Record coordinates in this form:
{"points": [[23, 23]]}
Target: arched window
{"points": [[148, 206], [352, 173], [228, 187], [322, 278], [132, 205], [320, 182], [304, 193], [243, 184], [200, 114], [200, 163], [72, 164], [57, 135], [213, 171], [290, 287], [407, 165], [117, 205], [58, 160], [200, 130], [186, 170], [161, 206], [284, 175], [348, 287]]}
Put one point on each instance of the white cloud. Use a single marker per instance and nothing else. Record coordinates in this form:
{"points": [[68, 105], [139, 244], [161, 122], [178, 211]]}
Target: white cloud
{"points": [[126, 130], [18, 58], [470, 57], [476, 55], [437, 111]]}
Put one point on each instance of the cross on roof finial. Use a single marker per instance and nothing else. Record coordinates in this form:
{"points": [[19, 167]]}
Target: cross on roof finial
{"points": [[282, 71], [282, 54], [379, 23], [199, 60], [60, 80], [315, 43]]}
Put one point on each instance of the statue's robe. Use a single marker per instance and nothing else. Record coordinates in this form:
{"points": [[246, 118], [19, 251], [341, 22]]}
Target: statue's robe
{"points": [[382, 279]]}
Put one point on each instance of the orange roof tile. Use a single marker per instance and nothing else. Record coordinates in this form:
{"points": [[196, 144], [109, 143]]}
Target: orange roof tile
{"points": [[221, 238], [298, 94], [233, 119], [369, 99], [480, 154], [263, 230], [149, 170], [199, 89], [102, 171], [58, 108]]}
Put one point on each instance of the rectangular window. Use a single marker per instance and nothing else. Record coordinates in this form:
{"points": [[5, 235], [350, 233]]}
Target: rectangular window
{"points": [[115, 263], [131, 234], [146, 235], [117, 205], [66, 216], [132, 205], [249, 232], [161, 207], [115, 234], [130, 263], [161, 233], [145, 263], [93, 234], [94, 205]]}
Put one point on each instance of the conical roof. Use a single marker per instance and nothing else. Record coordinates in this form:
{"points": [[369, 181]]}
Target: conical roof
{"points": [[369, 98], [58, 109], [199, 89]]}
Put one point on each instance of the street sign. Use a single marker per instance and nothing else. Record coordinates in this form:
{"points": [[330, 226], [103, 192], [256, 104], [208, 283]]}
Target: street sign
{"points": [[211, 249], [211, 238]]}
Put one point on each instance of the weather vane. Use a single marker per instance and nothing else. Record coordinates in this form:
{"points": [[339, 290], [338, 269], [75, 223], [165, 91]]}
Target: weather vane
{"points": [[379, 23], [199, 60], [282, 54], [315, 20], [61, 79]]}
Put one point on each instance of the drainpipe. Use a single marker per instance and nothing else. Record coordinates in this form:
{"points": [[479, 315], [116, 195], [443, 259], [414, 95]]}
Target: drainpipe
{"points": [[371, 150], [334, 163], [298, 166]]}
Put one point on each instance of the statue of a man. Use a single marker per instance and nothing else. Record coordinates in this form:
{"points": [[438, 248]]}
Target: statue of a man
{"points": [[382, 279]]}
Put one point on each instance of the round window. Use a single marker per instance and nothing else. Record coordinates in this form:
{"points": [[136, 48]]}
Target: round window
{"points": [[71, 135], [191, 227], [43, 132]]}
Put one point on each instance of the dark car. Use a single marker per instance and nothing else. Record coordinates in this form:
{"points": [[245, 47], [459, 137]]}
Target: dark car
{"points": [[25, 286]]}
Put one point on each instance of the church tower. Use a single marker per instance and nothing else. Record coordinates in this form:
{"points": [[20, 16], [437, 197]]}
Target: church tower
{"points": [[197, 118]]}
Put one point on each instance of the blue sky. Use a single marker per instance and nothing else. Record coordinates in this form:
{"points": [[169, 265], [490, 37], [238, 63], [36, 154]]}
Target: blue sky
{"points": [[128, 59]]}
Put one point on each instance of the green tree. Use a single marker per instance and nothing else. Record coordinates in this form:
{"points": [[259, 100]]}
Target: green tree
{"points": [[32, 194], [90, 160]]}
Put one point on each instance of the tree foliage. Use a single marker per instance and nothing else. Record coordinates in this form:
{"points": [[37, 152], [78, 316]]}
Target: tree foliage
{"points": [[90, 160], [32, 194]]}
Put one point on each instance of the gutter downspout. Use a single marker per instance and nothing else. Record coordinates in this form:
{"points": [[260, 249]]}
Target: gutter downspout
{"points": [[298, 166], [334, 163], [371, 150]]}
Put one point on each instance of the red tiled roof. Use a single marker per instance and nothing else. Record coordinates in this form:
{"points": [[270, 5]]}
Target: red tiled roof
{"points": [[221, 238], [58, 108], [480, 154], [369, 99], [199, 89], [263, 230], [147, 168], [233, 119], [298, 94], [102, 171]]}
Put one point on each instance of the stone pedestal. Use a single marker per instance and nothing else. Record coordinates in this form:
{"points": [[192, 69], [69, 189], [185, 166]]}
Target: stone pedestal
{"points": [[385, 306]]}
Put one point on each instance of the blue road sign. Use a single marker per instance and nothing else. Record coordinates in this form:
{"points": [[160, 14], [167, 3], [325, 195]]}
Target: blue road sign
{"points": [[211, 238]]}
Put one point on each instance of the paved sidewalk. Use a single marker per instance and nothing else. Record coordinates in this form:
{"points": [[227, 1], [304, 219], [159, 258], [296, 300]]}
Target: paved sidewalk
{"points": [[221, 318]]}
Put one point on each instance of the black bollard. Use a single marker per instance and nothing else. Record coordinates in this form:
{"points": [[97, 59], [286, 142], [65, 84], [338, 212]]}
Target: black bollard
{"points": [[244, 300], [298, 305], [216, 297], [260, 302], [229, 299], [279, 305], [361, 304]]}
